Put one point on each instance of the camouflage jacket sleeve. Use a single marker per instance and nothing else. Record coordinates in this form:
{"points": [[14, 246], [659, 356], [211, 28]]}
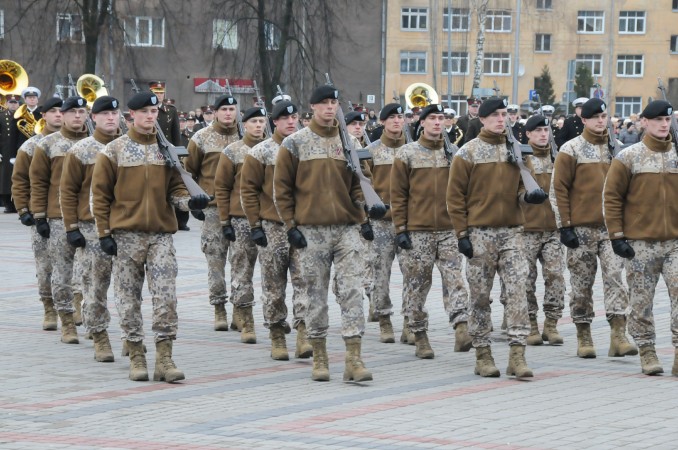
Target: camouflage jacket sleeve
{"points": [[103, 188], [224, 179], [177, 192], [457, 192], [40, 180], [72, 176], [21, 184], [564, 170], [400, 191], [614, 193], [284, 177], [251, 184], [194, 160]]}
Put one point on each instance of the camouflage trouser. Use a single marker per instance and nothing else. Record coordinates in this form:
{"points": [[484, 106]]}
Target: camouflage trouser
{"points": [[275, 260], [545, 246], [328, 244], [381, 255], [43, 263], [642, 274], [431, 248], [497, 250], [153, 253], [582, 263], [62, 254], [76, 285], [215, 248], [96, 279], [243, 257]]}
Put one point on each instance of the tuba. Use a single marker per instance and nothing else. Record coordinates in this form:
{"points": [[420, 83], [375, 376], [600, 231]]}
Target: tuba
{"points": [[25, 122], [420, 95], [90, 87], [13, 77]]}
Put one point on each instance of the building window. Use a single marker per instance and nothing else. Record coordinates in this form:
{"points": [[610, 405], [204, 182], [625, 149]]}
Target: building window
{"points": [[498, 21], [675, 5], [456, 102], [632, 22], [69, 28], [542, 43], [625, 106], [544, 4], [143, 31], [591, 22], [630, 65], [414, 19], [273, 36], [412, 62], [497, 64], [674, 44], [460, 19], [2, 24], [594, 63], [458, 63], [224, 34]]}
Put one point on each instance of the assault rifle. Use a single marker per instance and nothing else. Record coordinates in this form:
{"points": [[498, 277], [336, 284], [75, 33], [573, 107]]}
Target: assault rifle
{"points": [[238, 117], [552, 140], [88, 118], [673, 130], [612, 142], [262, 105]]}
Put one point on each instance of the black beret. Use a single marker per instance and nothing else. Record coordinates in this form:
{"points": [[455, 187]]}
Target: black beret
{"points": [[323, 92], [353, 116], [390, 109], [142, 99], [536, 121], [657, 108], [307, 116], [225, 100], [491, 105], [283, 108], [73, 102], [591, 107], [253, 112], [431, 109], [52, 102], [105, 103]]}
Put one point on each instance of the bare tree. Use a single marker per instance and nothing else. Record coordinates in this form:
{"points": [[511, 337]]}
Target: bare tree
{"points": [[480, 8], [95, 14]]}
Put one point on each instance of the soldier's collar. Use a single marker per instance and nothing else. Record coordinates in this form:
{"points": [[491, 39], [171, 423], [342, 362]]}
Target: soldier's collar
{"points": [[277, 137], [492, 138], [224, 129], [657, 145], [251, 141], [142, 138], [324, 131], [540, 151], [393, 143], [431, 144], [595, 138], [74, 135], [105, 138]]}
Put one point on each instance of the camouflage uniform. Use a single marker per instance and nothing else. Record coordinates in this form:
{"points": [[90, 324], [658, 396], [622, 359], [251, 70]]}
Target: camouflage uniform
{"points": [[242, 258], [97, 268], [215, 248]]}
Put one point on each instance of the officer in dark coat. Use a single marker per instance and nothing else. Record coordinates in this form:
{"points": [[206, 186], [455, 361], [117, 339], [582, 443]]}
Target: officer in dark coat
{"points": [[517, 127], [7, 152], [573, 125], [167, 114]]}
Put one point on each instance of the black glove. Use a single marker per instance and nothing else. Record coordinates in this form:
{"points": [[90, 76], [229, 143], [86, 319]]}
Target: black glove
{"points": [[465, 247], [229, 233], [377, 211], [108, 245], [27, 219], [366, 231], [42, 227], [259, 237], [403, 240], [199, 201], [198, 214], [535, 197], [295, 238], [622, 248], [569, 238], [75, 238]]}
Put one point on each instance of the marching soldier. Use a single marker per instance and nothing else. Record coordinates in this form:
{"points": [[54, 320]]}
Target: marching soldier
{"points": [[321, 203], [268, 232], [516, 127], [424, 231], [576, 198], [76, 180], [234, 224], [355, 124], [204, 150], [573, 125], [487, 219], [21, 192], [465, 120], [45, 176], [133, 194], [640, 191]]}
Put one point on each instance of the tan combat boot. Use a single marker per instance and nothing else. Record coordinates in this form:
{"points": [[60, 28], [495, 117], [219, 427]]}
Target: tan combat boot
{"points": [[165, 370], [321, 370], [355, 369], [304, 348], [585, 348], [649, 362], [247, 334], [423, 350], [125, 349], [386, 330], [137, 361], [674, 370], [49, 320], [102, 347], [220, 317], [77, 304], [534, 338], [619, 345], [278, 343], [235, 322], [550, 333], [485, 363], [462, 340], [69, 334], [517, 365]]}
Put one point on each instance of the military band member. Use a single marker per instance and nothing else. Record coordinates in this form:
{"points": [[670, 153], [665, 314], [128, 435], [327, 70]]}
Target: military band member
{"points": [[234, 225], [454, 133], [573, 125], [76, 180], [639, 197], [207, 118], [204, 150], [516, 127], [21, 192], [576, 198], [320, 201], [424, 231], [133, 195]]}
